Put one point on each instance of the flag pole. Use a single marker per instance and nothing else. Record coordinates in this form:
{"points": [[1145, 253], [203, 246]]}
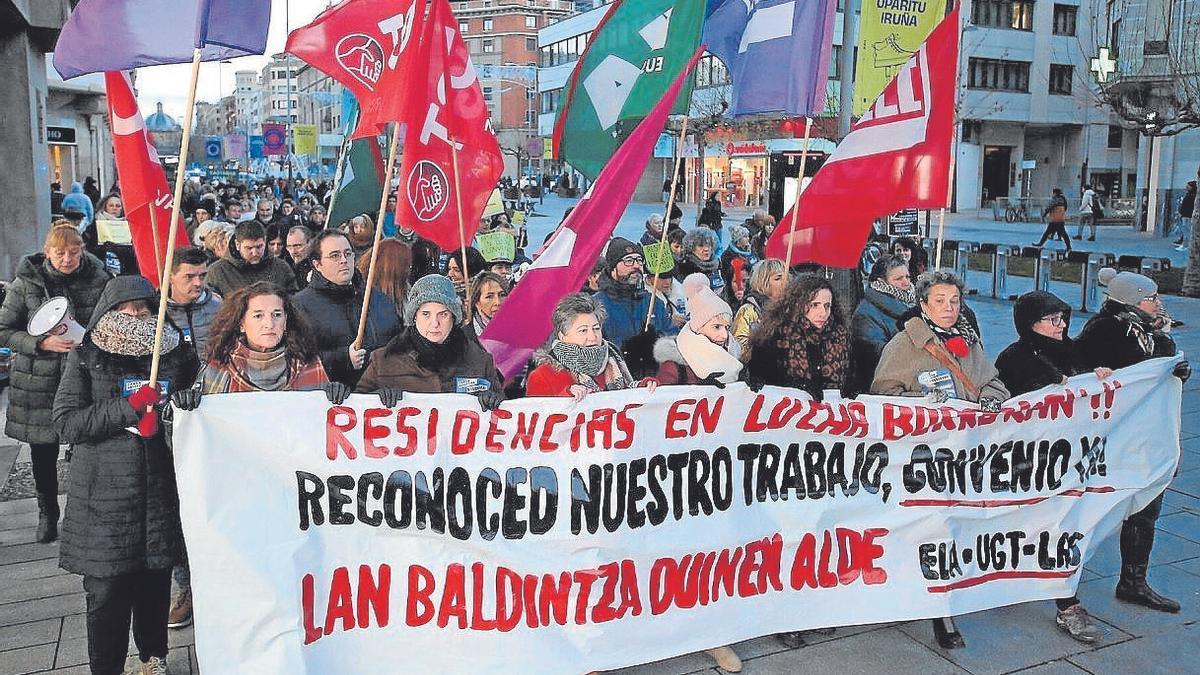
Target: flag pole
{"points": [[799, 189], [667, 216], [180, 174], [158, 266], [337, 178], [387, 185], [462, 232]]}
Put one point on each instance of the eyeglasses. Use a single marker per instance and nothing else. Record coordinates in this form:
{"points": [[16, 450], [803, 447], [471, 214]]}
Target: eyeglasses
{"points": [[337, 256], [633, 260], [1055, 320], [1153, 298]]}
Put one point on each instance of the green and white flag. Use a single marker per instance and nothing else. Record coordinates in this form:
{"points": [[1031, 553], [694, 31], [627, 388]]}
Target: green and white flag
{"points": [[362, 182], [634, 56]]}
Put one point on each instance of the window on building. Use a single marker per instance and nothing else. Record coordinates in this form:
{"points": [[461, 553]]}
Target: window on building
{"points": [[1114, 40], [531, 22], [711, 72], [1014, 14], [489, 46], [530, 118], [487, 24], [1116, 137], [545, 57], [1064, 19], [835, 62], [1060, 78], [464, 27], [998, 74], [531, 44], [487, 94], [550, 100]]}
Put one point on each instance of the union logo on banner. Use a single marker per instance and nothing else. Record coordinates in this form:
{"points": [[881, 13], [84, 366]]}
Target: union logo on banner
{"points": [[899, 118], [428, 190], [361, 56]]}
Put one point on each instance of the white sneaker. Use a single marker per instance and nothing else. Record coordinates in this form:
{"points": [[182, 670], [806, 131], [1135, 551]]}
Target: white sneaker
{"points": [[155, 666], [1180, 247]]}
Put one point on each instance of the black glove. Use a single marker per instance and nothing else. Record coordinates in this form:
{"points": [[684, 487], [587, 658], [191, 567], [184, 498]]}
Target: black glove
{"points": [[390, 396], [755, 383], [1183, 370], [849, 391], [713, 380], [639, 353], [186, 399], [816, 391], [336, 392], [490, 400]]}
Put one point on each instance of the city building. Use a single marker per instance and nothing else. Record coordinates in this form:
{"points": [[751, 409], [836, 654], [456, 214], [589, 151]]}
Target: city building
{"points": [[77, 130], [279, 100], [502, 36]]}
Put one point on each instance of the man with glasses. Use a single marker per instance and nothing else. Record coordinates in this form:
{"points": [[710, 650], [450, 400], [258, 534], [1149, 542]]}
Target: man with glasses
{"points": [[623, 294], [247, 261], [332, 303]]}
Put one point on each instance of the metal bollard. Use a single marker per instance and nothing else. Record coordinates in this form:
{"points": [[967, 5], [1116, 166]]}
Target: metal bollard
{"points": [[1089, 285], [962, 259], [1041, 270], [1000, 272]]}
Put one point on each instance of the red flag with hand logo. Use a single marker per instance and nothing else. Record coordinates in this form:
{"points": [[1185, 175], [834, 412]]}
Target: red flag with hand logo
{"points": [[365, 45], [143, 182], [897, 156], [445, 105]]}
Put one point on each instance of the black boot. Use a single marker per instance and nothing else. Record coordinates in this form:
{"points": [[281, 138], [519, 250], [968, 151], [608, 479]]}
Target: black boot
{"points": [[1133, 588], [47, 527], [947, 635]]}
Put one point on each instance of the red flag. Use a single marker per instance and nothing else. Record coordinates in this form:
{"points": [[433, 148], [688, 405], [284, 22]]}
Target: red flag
{"points": [[143, 183], [360, 44], [446, 106], [896, 157], [523, 324]]}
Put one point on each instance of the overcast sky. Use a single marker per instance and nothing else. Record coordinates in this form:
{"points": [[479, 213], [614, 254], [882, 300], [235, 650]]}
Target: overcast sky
{"points": [[168, 84]]}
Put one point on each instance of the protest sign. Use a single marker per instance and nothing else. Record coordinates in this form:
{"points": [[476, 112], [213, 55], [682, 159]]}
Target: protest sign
{"points": [[550, 536]]}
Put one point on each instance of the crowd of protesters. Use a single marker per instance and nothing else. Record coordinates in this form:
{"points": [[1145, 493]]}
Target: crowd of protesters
{"points": [[269, 298]]}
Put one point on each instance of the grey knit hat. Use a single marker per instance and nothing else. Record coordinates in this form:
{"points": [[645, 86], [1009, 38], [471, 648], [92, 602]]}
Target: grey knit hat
{"points": [[432, 288], [1128, 288]]}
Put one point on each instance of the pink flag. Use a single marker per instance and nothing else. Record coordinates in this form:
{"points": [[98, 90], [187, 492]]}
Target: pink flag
{"points": [[523, 324]]}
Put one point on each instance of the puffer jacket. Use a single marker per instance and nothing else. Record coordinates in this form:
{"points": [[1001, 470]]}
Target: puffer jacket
{"points": [[77, 200], [35, 374], [874, 323], [122, 511], [233, 272], [1110, 338], [627, 308], [904, 358], [1034, 360], [395, 365], [194, 319], [333, 311]]}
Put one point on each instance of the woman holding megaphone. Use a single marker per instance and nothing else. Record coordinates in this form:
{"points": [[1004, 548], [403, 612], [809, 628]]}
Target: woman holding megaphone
{"points": [[61, 270]]}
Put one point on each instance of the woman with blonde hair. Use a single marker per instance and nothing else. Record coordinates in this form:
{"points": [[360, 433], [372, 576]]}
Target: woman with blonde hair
{"points": [[391, 272], [485, 296], [767, 282]]}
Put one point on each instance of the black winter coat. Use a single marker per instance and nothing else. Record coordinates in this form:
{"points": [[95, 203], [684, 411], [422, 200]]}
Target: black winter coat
{"points": [[35, 374], [122, 511], [1035, 361], [332, 312], [1110, 341]]}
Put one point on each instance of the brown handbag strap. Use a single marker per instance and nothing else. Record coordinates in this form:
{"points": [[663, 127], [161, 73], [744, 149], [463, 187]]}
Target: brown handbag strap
{"points": [[943, 358]]}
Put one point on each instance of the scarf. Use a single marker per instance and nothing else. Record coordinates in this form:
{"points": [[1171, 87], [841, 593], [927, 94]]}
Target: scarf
{"points": [[479, 322], [266, 370], [706, 358], [810, 355], [958, 338], [909, 297], [706, 266], [581, 359], [1141, 326], [125, 335], [616, 373], [434, 356]]}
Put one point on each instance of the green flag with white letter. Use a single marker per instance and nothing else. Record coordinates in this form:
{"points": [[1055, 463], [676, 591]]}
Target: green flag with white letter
{"points": [[634, 56]]}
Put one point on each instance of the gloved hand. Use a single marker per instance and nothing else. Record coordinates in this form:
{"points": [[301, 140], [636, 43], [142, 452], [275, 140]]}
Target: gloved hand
{"points": [[148, 425], [336, 392], [1183, 370], [990, 404], [714, 380], [390, 396], [490, 400], [849, 391], [937, 396], [144, 397], [186, 399], [639, 353], [755, 383], [816, 391]]}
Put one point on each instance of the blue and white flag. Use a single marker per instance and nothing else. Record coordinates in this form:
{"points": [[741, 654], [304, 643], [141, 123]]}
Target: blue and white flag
{"points": [[777, 52], [105, 35]]}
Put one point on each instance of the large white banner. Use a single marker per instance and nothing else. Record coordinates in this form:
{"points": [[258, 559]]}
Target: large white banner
{"points": [[553, 537]]}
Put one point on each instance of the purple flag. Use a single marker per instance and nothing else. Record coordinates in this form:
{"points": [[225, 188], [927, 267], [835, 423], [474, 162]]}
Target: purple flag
{"points": [[106, 35], [777, 52]]}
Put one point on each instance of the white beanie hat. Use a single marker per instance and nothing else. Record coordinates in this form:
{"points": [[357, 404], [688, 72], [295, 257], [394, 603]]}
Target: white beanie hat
{"points": [[1128, 288], [703, 304]]}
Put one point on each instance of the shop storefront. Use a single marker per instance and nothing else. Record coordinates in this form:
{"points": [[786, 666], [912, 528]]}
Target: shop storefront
{"points": [[62, 141]]}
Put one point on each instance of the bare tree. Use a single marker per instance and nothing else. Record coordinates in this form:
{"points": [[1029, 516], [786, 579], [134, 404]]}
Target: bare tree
{"points": [[707, 112]]}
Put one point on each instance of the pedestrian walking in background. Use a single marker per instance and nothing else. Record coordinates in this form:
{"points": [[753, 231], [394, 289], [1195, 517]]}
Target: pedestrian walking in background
{"points": [[1187, 206], [1089, 205], [64, 269], [1056, 218]]}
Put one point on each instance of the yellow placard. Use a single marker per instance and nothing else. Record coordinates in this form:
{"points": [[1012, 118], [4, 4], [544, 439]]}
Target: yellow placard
{"points": [[495, 204], [497, 246], [115, 231], [304, 138], [890, 32], [547, 148]]}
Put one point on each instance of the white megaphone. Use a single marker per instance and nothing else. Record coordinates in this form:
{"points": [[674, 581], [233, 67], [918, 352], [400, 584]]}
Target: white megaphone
{"points": [[55, 317]]}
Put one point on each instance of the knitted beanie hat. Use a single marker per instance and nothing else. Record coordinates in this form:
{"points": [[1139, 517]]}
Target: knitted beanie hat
{"points": [[1128, 288], [618, 248], [703, 304], [432, 288]]}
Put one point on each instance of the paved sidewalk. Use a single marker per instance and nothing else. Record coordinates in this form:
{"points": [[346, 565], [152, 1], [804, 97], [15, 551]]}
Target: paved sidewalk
{"points": [[42, 621]]}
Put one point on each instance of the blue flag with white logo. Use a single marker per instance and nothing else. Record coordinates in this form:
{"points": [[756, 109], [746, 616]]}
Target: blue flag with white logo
{"points": [[777, 52]]}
